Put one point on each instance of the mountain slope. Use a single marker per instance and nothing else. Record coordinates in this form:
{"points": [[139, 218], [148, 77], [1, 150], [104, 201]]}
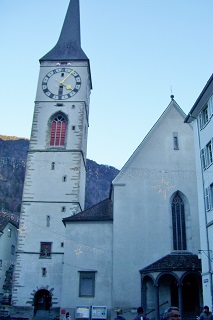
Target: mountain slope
{"points": [[13, 156]]}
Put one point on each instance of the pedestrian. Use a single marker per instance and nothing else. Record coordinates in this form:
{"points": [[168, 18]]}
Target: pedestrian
{"points": [[68, 316], [206, 314], [141, 315], [171, 313], [119, 313]]}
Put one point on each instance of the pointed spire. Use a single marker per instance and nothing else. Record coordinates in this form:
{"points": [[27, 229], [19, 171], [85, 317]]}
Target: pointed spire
{"points": [[68, 46]]}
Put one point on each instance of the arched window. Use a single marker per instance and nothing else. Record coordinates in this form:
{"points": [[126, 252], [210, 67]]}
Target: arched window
{"points": [[178, 223], [58, 131]]}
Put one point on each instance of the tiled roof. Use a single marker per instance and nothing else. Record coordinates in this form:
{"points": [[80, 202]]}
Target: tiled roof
{"points": [[6, 217], [100, 212], [175, 262]]}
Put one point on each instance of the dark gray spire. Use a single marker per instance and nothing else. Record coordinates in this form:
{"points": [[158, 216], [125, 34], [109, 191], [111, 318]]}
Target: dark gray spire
{"points": [[68, 46]]}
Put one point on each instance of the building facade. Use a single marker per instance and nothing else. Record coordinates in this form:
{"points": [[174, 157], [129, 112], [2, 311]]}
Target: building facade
{"points": [[145, 238], [54, 185], [8, 246], [139, 247], [201, 117]]}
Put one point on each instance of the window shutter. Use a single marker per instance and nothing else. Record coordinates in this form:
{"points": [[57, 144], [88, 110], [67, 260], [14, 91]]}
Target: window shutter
{"points": [[207, 199], [203, 158], [210, 106], [200, 120]]}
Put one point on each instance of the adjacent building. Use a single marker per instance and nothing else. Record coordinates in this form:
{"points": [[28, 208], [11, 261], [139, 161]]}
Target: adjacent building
{"points": [[8, 246], [201, 116]]}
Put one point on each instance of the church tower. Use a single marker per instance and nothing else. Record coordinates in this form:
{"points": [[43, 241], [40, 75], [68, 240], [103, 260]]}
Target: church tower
{"points": [[54, 185]]}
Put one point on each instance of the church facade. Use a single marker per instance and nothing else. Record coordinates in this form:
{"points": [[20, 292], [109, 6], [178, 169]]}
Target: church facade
{"points": [[139, 246]]}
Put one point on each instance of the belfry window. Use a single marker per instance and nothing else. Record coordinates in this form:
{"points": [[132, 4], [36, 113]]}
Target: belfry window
{"points": [[178, 223], [58, 131]]}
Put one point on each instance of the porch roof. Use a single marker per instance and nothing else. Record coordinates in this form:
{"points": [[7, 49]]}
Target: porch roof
{"points": [[174, 262]]}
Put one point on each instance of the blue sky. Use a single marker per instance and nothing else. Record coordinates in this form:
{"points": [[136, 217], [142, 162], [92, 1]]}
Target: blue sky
{"points": [[138, 51]]}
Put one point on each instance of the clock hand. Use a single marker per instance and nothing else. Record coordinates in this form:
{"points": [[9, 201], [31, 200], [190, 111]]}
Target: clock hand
{"points": [[68, 87], [66, 77]]}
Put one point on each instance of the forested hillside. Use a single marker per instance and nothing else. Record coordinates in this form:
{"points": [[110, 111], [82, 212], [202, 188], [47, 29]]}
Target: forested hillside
{"points": [[13, 155]]}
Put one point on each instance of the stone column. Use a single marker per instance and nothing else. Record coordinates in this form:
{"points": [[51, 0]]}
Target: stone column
{"points": [[180, 299], [156, 302]]}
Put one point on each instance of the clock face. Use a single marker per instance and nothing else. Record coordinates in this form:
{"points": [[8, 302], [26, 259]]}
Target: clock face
{"points": [[61, 83]]}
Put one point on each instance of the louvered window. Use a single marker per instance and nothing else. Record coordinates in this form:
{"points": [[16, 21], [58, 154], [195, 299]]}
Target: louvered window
{"points": [[58, 131]]}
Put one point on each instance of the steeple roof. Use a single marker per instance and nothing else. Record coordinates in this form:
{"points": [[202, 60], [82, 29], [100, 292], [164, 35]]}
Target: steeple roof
{"points": [[68, 46]]}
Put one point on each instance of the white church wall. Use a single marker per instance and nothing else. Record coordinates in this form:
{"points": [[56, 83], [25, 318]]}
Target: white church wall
{"points": [[142, 228], [88, 247]]}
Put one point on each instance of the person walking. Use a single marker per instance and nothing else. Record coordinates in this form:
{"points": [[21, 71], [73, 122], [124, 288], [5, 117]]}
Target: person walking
{"points": [[119, 313], [206, 314], [171, 313], [141, 315]]}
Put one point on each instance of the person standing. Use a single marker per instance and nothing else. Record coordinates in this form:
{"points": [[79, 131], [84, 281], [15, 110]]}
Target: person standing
{"points": [[171, 313], [141, 315], [119, 313], [68, 316], [206, 314]]}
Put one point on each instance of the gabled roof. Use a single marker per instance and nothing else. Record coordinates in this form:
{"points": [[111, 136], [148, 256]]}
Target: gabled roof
{"points": [[172, 104], [6, 218], [99, 212], [68, 46], [174, 262]]}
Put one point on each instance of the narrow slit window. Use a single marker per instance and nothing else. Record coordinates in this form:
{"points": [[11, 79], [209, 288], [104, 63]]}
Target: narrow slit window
{"points": [[48, 221], [175, 141]]}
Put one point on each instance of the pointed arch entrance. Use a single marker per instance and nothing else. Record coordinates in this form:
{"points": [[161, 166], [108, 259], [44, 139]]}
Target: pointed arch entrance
{"points": [[42, 300]]}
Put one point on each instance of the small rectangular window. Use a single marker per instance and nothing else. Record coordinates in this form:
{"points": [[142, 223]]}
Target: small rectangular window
{"points": [[43, 272], [64, 179], [12, 250], [175, 141], [73, 127], [0, 264], [9, 231], [53, 166], [45, 250], [87, 284], [48, 221], [63, 209], [62, 244]]}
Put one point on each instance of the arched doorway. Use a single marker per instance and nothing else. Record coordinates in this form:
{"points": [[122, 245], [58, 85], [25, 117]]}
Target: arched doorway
{"points": [[42, 300], [190, 292]]}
